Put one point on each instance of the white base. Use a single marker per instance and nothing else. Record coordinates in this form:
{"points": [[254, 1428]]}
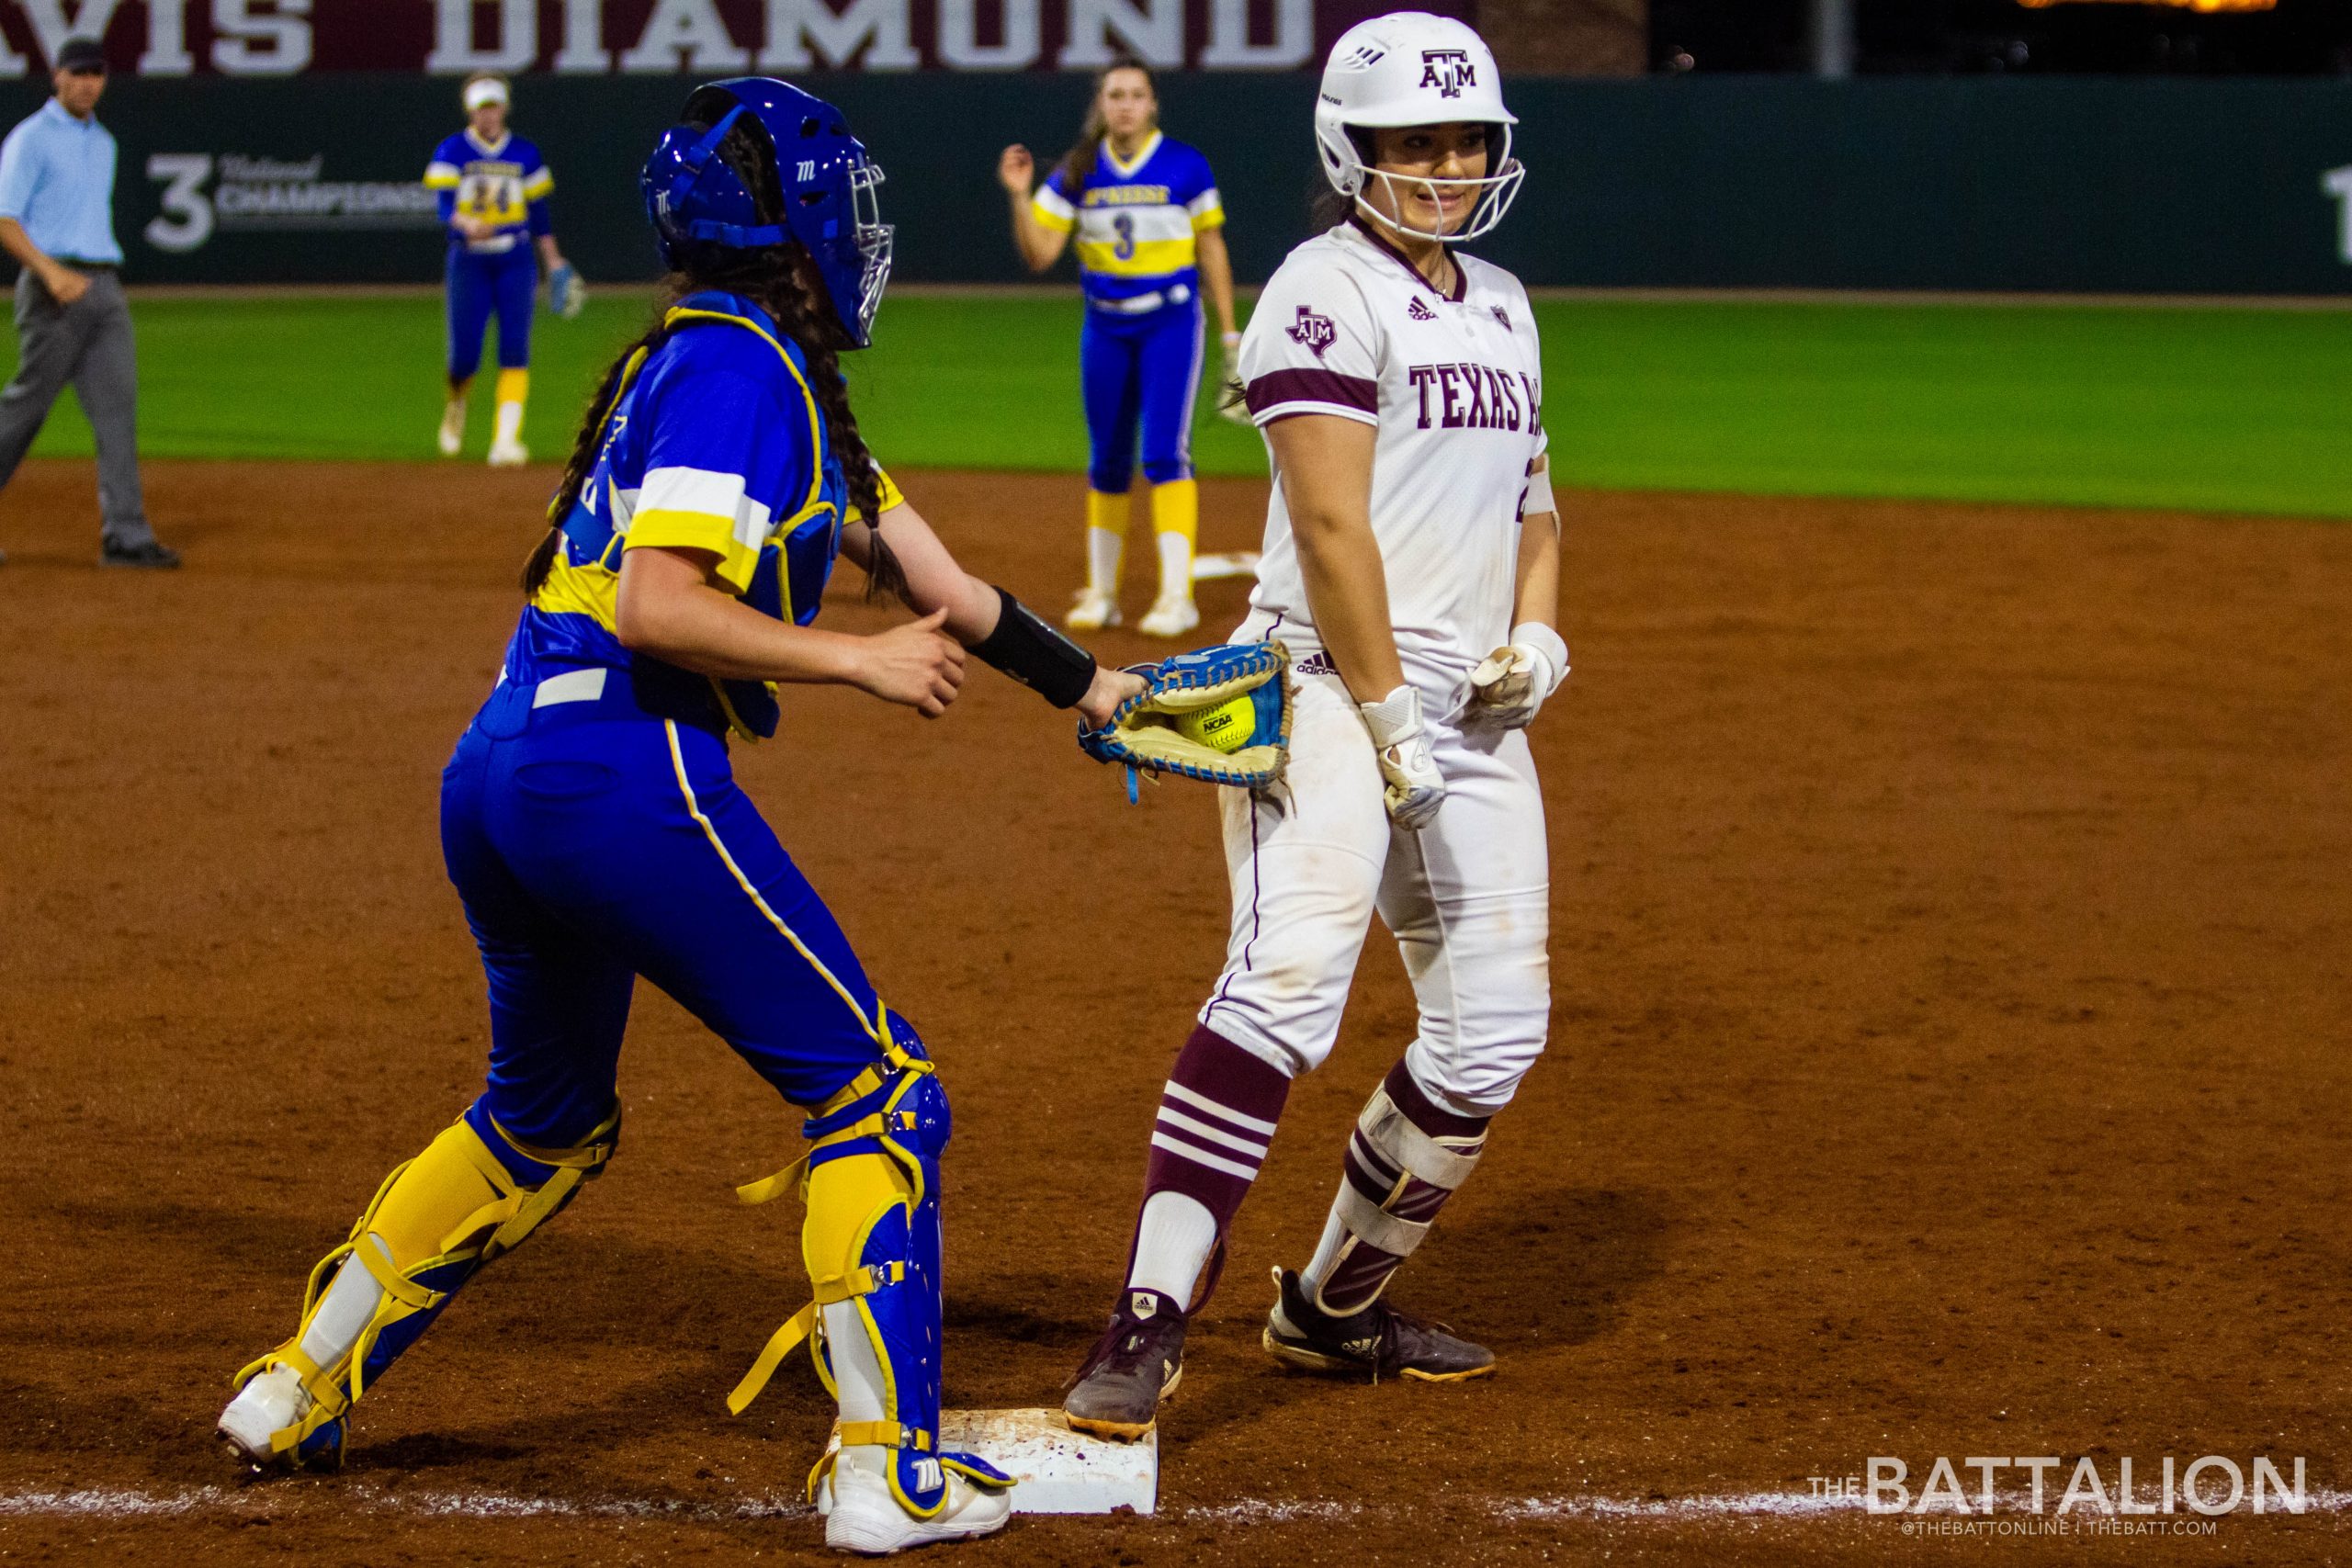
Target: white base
{"points": [[1058, 1470], [1209, 568]]}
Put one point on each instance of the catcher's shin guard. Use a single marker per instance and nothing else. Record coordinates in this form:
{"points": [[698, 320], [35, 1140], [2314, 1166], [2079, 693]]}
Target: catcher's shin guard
{"points": [[1405, 1157], [871, 1239], [473, 1194]]}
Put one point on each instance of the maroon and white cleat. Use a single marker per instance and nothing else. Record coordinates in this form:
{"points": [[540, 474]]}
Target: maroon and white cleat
{"points": [[1377, 1342]]}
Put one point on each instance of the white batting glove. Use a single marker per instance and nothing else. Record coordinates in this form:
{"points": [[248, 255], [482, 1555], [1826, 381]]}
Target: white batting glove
{"points": [[1414, 788], [1229, 396], [1510, 683]]}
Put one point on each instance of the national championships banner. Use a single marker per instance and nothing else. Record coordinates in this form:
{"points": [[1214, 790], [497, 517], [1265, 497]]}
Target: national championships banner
{"points": [[704, 38]]}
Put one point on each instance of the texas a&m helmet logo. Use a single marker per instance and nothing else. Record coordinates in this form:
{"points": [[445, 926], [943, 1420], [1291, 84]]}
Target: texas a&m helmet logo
{"points": [[1313, 331], [1449, 71]]}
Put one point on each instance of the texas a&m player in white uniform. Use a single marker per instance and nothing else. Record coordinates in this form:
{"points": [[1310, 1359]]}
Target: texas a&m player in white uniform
{"points": [[1412, 565]]}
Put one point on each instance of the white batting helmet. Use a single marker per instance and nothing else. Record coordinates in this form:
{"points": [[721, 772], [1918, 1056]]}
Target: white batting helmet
{"points": [[1413, 68]]}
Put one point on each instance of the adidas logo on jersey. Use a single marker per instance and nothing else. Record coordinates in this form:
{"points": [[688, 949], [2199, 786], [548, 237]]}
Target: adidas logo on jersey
{"points": [[1420, 310], [1315, 663], [1313, 331], [1501, 315]]}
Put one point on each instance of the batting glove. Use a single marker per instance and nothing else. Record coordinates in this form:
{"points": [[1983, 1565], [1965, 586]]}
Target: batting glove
{"points": [[1231, 397], [1414, 788], [1510, 683]]}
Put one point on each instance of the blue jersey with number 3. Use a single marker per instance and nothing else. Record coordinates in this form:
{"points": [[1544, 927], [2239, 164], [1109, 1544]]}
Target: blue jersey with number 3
{"points": [[1137, 224]]}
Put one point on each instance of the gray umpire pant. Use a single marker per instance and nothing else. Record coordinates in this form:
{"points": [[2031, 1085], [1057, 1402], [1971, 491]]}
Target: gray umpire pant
{"points": [[87, 343]]}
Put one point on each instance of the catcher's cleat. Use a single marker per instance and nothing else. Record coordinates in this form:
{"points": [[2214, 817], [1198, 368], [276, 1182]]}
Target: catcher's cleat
{"points": [[1136, 1363], [508, 455], [1172, 614], [868, 1518], [1092, 611], [452, 434], [1379, 1341], [267, 1404]]}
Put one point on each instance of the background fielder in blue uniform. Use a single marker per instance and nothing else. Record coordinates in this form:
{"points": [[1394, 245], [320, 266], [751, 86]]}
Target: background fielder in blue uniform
{"points": [[492, 188], [1150, 237], [592, 825]]}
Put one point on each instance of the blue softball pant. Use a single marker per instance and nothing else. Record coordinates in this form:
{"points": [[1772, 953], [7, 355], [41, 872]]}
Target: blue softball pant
{"points": [[593, 844], [506, 284], [1140, 370]]}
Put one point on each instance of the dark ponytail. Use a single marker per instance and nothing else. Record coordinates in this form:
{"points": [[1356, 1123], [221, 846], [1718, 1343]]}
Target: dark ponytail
{"points": [[1078, 162], [772, 277], [582, 461]]}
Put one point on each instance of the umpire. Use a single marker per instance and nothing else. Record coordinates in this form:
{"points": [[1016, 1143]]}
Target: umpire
{"points": [[57, 219]]}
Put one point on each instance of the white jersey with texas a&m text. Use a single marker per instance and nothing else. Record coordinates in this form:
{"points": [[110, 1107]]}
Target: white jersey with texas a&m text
{"points": [[1455, 385]]}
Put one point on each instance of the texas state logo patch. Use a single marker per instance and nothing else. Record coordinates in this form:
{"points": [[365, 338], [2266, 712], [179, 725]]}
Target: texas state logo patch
{"points": [[1312, 332]]}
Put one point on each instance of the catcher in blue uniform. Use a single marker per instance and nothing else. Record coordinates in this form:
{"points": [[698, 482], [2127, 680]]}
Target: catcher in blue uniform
{"points": [[594, 833]]}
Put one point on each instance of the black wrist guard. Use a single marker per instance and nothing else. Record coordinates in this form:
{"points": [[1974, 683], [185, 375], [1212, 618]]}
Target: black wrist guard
{"points": [[1036, 654]]}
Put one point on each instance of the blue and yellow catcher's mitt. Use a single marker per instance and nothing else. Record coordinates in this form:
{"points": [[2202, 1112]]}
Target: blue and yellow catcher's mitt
{"points": [[1220, 713]]}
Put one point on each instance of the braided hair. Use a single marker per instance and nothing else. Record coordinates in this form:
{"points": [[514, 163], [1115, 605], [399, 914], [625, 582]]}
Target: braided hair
{"points": [[778, 279]]}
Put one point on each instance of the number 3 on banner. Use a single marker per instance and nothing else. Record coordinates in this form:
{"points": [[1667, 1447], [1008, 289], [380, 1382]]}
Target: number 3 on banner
{"points": [[186, 221]]}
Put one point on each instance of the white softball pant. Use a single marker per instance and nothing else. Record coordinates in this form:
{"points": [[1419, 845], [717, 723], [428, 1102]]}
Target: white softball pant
{"points": [[1467, 898]]}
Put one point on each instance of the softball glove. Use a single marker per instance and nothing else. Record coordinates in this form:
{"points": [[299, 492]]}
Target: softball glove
{"points": [[567, 296], [1220, 713]]}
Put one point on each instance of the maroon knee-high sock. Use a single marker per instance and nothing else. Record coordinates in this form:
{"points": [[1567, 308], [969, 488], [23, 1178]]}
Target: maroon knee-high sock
{"points": [[1217, 1112]]}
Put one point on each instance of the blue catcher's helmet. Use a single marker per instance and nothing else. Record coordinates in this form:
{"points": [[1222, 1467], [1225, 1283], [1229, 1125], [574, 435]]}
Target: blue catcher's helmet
{"points": [[702, 207]]}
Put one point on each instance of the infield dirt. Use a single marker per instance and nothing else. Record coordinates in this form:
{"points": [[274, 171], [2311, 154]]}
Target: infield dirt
{"points": [[1949, 957]]}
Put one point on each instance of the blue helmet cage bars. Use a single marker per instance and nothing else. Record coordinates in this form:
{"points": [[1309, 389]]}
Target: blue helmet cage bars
{"points": [[832, 202]]}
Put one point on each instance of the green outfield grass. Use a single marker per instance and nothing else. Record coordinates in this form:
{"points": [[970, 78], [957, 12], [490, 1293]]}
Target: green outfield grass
{"points": [[2223, 410]]}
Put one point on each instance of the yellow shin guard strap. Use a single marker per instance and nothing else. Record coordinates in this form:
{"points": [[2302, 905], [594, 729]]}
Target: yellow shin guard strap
{"points": [[780, 1344], [802, 1326], [888, 1434]]}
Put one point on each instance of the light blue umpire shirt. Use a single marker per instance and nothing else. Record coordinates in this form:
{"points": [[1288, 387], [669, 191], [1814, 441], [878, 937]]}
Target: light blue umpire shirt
{"points": [[57, 179]]}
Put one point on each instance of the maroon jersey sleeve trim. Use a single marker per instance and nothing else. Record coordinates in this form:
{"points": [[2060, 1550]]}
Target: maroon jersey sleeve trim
{"points": [[1278, 386]]}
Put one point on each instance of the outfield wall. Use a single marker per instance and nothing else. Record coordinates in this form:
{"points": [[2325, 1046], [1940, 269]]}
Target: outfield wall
{"points": [[2100, 185]]}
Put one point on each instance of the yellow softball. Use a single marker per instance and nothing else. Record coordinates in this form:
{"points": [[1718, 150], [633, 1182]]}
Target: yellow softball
{"points": [[1224, 729]]}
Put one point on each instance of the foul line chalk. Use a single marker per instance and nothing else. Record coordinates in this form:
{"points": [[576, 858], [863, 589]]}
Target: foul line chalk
{"points": [[130, 1503]]}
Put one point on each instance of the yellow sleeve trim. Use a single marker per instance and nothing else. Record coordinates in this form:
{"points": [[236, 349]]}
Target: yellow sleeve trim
{"points": [[1048, 218], [889, 497], [1212, 219], [704, 531], [538, 185], [808, 399], [441, 179]]}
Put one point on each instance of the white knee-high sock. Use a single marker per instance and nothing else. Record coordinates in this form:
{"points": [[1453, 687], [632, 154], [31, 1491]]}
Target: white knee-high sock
{"points": [[1172, 1245]]}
